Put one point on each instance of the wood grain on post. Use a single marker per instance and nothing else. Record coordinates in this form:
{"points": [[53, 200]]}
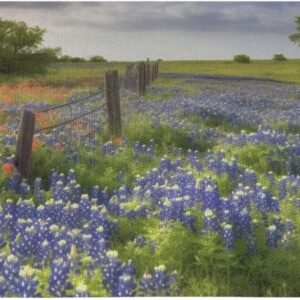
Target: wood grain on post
{"points": [[142, 78], [156, 70], [148, 80], [129, 80], [113, 102], [24, 144], [152, 72]]}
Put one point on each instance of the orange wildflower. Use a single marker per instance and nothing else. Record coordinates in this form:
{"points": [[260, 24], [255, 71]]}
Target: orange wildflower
{"points": [[118, 140], [58, 147], [36, 144], [7, 168], [2, 129]]}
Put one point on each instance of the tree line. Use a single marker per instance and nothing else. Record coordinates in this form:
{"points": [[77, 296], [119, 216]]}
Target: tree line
{"points": [[21, 49]]}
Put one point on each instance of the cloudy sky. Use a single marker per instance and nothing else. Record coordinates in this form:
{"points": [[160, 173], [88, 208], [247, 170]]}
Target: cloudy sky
{"points": [[167, 30]]}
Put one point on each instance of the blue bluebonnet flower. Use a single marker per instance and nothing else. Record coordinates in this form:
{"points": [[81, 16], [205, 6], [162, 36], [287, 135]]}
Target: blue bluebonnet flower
{"points": [[58, 279], [4, 285], [228, 235], [26, 286], [10, 270], [161, 279], [273, 236], [140, 241], [111, 270], [146, 285], [126, 286], [2, 242], [282, 187]]}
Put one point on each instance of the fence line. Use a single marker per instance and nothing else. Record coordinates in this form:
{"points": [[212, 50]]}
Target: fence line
{"points": [[135, 77]]}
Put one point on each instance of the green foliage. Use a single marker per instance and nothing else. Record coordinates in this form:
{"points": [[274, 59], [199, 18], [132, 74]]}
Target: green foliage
{"points": [[296, 36], [260, 158], [221, 124], [97, 58], [225, 185], [44, 160], [68, 58], [20, 48], [42, 275], [106, 169], [279, 57], [166, 238], [241, 58], [164, 136]]}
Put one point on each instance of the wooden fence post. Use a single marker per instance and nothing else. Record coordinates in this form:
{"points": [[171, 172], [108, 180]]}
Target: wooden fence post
{"points": [[142, 78], [156, 70], [129, 78], [24, 144], [148, 80], [113, 102]]}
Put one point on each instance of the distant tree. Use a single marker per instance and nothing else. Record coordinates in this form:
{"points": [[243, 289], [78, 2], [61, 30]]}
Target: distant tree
{"points": [[64, 58], [68, 58], [241, 58], [279, 57], [77, 59], [97, 58], [296, 36], [21, 48]]}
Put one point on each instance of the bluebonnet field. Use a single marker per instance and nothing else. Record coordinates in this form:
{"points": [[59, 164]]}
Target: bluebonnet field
{"points": [[200, 196]]}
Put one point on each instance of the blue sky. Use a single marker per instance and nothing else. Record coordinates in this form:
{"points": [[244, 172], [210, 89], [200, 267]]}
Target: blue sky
{"points": [[167, 30]]}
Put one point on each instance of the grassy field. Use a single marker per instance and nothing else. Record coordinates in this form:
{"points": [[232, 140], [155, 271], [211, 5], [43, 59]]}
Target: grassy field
{"points": [[287, 71], [255, 252], [64, 79], [71, 74]]}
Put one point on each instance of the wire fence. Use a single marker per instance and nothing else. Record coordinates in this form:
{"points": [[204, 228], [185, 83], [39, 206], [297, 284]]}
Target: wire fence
{"points": [[82, 99], [83, 116], [70, 120]]}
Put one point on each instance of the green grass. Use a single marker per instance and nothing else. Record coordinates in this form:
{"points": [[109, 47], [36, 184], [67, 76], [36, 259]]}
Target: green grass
{"points": [[287, 71], [259, 158], [205, 267], [68, 75], [185, 86], [221, 124], [72, 74]]}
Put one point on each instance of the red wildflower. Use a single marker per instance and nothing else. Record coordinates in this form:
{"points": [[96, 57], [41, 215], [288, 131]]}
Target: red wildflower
{"points": [[58, 147], [36, 144], [7, 168]]}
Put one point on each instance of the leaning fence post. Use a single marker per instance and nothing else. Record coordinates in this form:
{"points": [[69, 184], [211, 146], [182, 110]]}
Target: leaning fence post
{"points": [[113, 102], [24, 144], [142, 78]]}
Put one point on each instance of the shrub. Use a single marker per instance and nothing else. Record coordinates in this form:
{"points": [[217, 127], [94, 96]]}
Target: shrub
{"points": [[21, 48], [279, 57], [97, 58], [241, 58]]}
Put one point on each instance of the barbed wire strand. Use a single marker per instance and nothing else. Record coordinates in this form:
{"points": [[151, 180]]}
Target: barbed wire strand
{"points": [[95, 129], [72, 102], [70, 120]]}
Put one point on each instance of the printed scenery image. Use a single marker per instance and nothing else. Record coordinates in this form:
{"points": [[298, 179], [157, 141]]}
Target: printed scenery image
{"points": [[149, 149]]}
